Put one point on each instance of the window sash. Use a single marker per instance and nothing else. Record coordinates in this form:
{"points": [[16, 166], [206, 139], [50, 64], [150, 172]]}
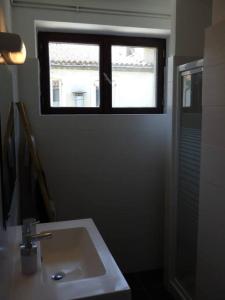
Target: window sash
{"points": [[105, 89]]}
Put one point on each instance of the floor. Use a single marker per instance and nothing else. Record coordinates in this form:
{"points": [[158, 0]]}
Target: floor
{"points": [[147, 285]]}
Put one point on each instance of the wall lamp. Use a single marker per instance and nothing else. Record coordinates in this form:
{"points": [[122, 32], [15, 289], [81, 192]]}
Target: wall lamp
{"points": [[12, 49]]}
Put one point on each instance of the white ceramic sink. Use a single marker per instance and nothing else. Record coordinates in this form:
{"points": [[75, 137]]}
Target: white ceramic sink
{"points": [[78, 250], [72, 252]]}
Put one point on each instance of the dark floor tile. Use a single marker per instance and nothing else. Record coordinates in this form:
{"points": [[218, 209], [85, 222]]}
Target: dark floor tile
{"points": [[134, 280], [139, 294], [152, 279], [160, 294], [147, 285]]}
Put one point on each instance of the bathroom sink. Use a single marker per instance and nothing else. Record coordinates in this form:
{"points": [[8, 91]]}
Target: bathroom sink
{"points": [[71, 252], [74, 264]]}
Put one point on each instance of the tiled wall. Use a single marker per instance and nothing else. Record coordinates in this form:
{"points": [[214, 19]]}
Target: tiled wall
{"points": [[211, 258], [218, 10]]}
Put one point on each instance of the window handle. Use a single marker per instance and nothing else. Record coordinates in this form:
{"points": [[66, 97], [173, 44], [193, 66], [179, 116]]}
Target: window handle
{"points": [[107, 78]]}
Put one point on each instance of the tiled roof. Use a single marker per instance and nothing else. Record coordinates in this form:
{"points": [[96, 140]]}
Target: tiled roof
{"points": [[64, 54]]}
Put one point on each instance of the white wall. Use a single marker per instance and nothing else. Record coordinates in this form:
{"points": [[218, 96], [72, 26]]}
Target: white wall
{"points": [[108, 167], [25, 26]]}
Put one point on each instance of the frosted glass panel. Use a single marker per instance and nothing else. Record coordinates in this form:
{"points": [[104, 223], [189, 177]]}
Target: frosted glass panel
{"points": [[188, 180]]}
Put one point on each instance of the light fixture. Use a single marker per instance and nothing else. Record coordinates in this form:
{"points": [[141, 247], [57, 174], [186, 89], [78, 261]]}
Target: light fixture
{"points": [[12, 49]]}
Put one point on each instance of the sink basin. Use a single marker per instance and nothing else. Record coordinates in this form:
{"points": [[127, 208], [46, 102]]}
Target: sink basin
{"points": [[72, 252], [79, 255]]}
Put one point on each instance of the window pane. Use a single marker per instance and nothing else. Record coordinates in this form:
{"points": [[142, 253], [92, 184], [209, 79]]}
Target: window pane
{"points": [[74, 75], [187, 91], [134, 76], [55, 92]]}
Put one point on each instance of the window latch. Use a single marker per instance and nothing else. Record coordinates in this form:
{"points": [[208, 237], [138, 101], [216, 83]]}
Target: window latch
{"points": [[107, 78]]}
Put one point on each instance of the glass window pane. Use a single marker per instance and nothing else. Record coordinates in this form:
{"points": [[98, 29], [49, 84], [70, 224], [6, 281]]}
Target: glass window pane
{"points": [[134, 76], [74, 75], [187, 91]]}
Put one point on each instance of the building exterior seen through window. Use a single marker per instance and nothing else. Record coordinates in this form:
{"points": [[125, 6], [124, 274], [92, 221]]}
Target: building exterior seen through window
{"points": [[77, 67], [55, 92], [133, 76], [187, 91]]}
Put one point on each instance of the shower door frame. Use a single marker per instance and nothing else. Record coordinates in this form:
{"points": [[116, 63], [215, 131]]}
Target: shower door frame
{"points": [[172, 281]]}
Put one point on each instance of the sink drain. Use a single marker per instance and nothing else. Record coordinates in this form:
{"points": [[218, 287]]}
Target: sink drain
{"points": [[58, 276]]}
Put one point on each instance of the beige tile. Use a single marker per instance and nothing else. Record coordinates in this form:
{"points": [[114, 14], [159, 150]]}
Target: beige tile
{"points": [[213, 165], [215, 45], [211, 271], [211, 216], [213, 85], [212, 211], [218, 11], [211, 243], [213, 125]]}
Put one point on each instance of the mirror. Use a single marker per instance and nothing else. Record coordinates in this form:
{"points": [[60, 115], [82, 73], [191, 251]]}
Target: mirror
{"points": [[35, 201], [8, 167], [24, 190]]}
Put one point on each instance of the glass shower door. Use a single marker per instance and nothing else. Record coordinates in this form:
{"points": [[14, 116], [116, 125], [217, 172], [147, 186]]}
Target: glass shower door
{"points": [[189, 152]]}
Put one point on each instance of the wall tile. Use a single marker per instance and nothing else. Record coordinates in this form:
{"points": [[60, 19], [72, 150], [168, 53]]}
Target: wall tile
{"points": [[213, 85], [218, 11], [212, 219], [213, 128], [215, 45], [211, 243], [213, 165]]}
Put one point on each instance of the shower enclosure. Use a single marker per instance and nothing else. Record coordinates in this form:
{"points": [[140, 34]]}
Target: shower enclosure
{"points": [[187, 150]]}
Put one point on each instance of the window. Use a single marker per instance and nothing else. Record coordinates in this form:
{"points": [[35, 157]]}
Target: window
{"points": [[191, 81], [79, 98], [134, 70], [187, 91], [55, 93], [100, 74], [97, 95]]}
